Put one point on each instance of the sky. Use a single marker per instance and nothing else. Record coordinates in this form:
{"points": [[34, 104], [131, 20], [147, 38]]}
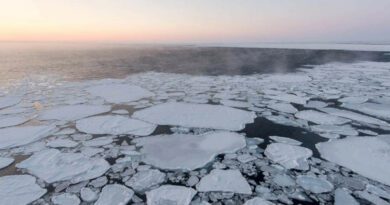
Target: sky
{"points": [[195, 21]]}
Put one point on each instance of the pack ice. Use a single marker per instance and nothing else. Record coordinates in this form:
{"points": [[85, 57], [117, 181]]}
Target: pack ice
{"points": [[19, 190], [170, 194], [18, 136], [119, 93], [224, 181], [73, 112], [289, 156]]}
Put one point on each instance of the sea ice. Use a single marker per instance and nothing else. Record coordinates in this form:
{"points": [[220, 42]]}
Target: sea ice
{"points": [[97, 142], [114, 125], [170, 194], [144, 180], [185, 151], [320, 117], [73, 112], [283, 180], [9, 121], [61, 143], [8, 101], [355, 100], [335, 129], [88, 195], [119, 93], [354, 116], [258, 201], [114, 194], [19, 190], [235, 103], [289, 98], [289, 156], [18, 136], [196, 115], [314, 184], [283, 107], [5, 162], [224, 181], [316, 104], [368, 156], [53, 166], [378, 110], [65, 199], [285, 140], [342, 197]]}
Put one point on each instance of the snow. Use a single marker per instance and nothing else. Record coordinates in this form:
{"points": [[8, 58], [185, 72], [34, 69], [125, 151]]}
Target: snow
{"points": [[119, 93], [196, 115], [378, 110], [320, 118], [283, 107], [314, 184], [8, 101], [258, 201], [9, 121], [289, 156], [53, 166], [224, 181], [342, 197], [285, 140], [5, 162], [114, 194], [368, 156], [144, 180], [18, 136], [65, 199], [354, 116], [170, 194], [185, 151], [19, 190], [62, 143], [114, 125], [73, 112]]}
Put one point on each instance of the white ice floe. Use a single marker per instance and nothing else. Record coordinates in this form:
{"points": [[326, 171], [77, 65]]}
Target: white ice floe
{"points": [[283, 180], [144, 180], [196, 115], [368, 156], [320, 117], [353, 116], [285, 140], [53, 166], [289, 98], [316, 104], [289, 156], [5, 162], [314, 184], [258, 201], [355, 100], [170, 194], [342, 197], [8, 101], [18, 136], [65, 199], [119, 93], [8, 121], [114, 194], [88, 195], [19, 190], [73, 112], [97, 142], [185, 151], [235, 103], [224, 181], [335, 129], [114, 125], [62, 143], [378, 110], [283, 107]]}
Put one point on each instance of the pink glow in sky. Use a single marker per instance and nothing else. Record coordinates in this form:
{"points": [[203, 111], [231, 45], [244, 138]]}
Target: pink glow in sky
{"points": [[209, 21]]}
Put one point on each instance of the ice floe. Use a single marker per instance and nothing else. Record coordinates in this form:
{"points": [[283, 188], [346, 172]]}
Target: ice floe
{"points": [[368, 156], [170, 194], [289, 156], [73, 112], [8, 101], [18, 136], [9, 121], [144, 180], [185, 151], [119, 93], [320, 117], [5, 161], [378, 110], [114, 194], [19, 190], [65, 199], [285, 140], [342, 197], [97, 142], [114, 125], [258, 201], [224, 181], [52, 165], [62, 143], [196, 115], [314, 184], [283, 107], [354, 116]]}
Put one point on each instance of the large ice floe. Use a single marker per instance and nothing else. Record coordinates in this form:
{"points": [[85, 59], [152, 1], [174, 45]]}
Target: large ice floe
{"points": [[224, 181], [119, 93], [114, 125], [18, 136], [73, 112], [170, 194], [19, 190], [368, 156], [186, 151], [52, 165], [196, 115]]}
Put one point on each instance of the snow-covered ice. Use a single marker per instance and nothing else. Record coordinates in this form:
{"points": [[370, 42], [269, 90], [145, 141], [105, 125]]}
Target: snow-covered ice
{"points": [[314, 184], [114, 125], [320, 117], [8, 101], [114, 194], [185, 151], [289, 156], [8, 121], [142, 181], [196, 115], [6, 161], [73, 112], [170, 194], [19, 190], [52, 165], [65, 199], [119, 93], [61, 143], [224, 181], [18, 136]]}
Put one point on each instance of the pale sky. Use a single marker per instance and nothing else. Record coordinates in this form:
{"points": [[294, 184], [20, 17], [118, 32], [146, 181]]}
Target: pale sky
{"points": [[185, 21]]}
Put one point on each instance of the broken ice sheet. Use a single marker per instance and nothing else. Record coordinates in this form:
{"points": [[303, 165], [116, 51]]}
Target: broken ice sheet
{"points": [[170, 194], [283, 107], [320, 117], [378, 110], [61, 143], [8, 101], [73, 112], [196, 115], [185, 151], [18, 136], [224, 181], [8, 121], [5, 161], [289, 156], [114, 125], [119, 93]]}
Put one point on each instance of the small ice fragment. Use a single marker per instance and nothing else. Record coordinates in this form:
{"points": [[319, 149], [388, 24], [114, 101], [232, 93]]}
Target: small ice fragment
{"points": [[5, 162], [88, 195], [62, 143], [314, 184], [114, 194], [65, 199], [258, 201], [289, 156]]}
